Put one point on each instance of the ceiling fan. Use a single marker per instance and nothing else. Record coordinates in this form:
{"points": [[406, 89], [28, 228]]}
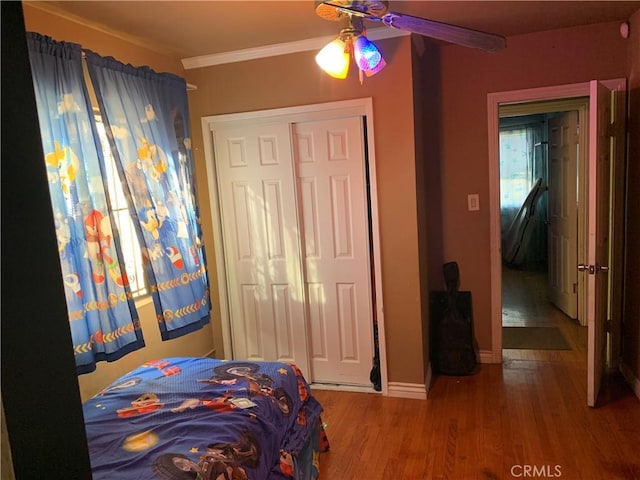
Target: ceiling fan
{"points": [[352, 38]]}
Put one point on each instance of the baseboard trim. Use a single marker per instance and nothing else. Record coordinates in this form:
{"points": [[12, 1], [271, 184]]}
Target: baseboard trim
{"points": [[342, 388], [407, 390], [486, 356], [395, 389], [631, 379]]}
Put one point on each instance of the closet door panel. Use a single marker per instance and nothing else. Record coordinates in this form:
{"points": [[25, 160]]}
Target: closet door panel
{"points": [[330, 169], [256, 186]]}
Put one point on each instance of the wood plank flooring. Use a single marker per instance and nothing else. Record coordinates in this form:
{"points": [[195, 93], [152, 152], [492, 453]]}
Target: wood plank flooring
{"points": [[525, 304], [526, 418]]}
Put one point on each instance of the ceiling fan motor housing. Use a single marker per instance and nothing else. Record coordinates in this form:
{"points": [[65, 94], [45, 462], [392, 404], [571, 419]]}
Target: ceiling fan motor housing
{"points": [[328, 10]]}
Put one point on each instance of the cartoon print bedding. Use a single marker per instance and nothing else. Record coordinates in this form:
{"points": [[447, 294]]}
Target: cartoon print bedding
{"points": [[199, 418]]}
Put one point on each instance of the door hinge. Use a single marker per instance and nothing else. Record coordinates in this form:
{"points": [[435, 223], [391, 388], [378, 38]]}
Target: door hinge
{"points": [[607, 326]]}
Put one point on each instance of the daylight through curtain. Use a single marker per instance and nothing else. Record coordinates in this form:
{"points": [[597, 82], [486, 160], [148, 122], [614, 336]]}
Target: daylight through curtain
{"points": [[516, 170], [522, 163], [102, 316], [147, 121]]}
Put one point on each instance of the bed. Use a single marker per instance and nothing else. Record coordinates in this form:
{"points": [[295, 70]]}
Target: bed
{"points": [[200, 418]]}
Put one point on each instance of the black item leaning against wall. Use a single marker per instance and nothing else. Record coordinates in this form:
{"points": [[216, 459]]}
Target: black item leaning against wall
{"points": [[453, 348], [40, 393]]}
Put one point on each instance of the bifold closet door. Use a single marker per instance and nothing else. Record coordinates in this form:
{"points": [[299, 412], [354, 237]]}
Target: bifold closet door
{"points": [[332, 193], [256, 185]]}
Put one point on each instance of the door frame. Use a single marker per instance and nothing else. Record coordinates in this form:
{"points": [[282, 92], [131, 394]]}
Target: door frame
{"points": [[494, 100], [362, 107]]}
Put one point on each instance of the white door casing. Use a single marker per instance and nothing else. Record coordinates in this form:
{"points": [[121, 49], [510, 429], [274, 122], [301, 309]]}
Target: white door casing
{"points": [[563, 212], [330, 169]]}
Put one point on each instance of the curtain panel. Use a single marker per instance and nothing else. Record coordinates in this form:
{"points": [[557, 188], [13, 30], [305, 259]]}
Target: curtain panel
{"points": [[102, 316], [146, 118]]}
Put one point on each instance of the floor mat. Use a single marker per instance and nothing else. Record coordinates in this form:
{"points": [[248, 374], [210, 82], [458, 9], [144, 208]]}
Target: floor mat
{"points": [[534, 338]]}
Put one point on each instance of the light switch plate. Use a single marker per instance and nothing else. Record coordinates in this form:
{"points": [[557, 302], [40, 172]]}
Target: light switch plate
{"points": [[473, 202]]}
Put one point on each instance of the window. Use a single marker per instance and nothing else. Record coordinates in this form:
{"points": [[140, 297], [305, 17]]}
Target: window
{"points": [[128, 238], [516, 167]]}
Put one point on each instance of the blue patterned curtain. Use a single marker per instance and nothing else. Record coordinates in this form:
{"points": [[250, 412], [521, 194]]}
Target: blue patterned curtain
{"points": [[102, 315], [147, 121]]}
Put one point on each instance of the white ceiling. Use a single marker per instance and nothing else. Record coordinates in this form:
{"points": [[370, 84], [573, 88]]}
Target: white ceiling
{"points": [[186, 29]]}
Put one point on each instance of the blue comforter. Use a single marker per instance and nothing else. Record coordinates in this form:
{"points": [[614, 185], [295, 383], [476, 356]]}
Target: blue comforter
{"points": [[199, 418]]}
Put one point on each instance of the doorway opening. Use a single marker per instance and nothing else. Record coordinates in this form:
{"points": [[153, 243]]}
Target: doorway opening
{"points": [[600, 225], [540, 155]]}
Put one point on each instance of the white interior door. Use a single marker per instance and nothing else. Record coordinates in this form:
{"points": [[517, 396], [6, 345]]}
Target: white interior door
{"points": [[330, 166], [563, 212], [598, 233], [256, 184]]}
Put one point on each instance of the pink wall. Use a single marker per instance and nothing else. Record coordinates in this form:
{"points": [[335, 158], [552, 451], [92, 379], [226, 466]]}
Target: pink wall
{"points": [[549, 58]]}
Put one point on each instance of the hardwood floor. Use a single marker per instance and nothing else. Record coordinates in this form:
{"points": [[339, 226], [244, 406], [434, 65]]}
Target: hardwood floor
{"points": [[526, 418], [525, 304]]}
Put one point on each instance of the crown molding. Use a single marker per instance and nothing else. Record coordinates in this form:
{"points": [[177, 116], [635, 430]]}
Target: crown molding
{"points": [[247, 54]]}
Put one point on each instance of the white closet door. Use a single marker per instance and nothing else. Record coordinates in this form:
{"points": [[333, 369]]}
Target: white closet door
{"points": [[262, 249], [563, 212], [330, 166]]}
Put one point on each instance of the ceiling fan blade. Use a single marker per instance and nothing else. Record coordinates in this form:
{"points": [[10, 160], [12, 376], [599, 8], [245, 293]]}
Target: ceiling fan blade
{"points": [[444, 31], [376, 10]]}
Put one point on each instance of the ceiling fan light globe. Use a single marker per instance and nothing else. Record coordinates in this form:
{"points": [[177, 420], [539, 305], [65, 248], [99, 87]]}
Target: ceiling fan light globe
{"points": [[334, 59], [368, 56], [376, 69]]}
